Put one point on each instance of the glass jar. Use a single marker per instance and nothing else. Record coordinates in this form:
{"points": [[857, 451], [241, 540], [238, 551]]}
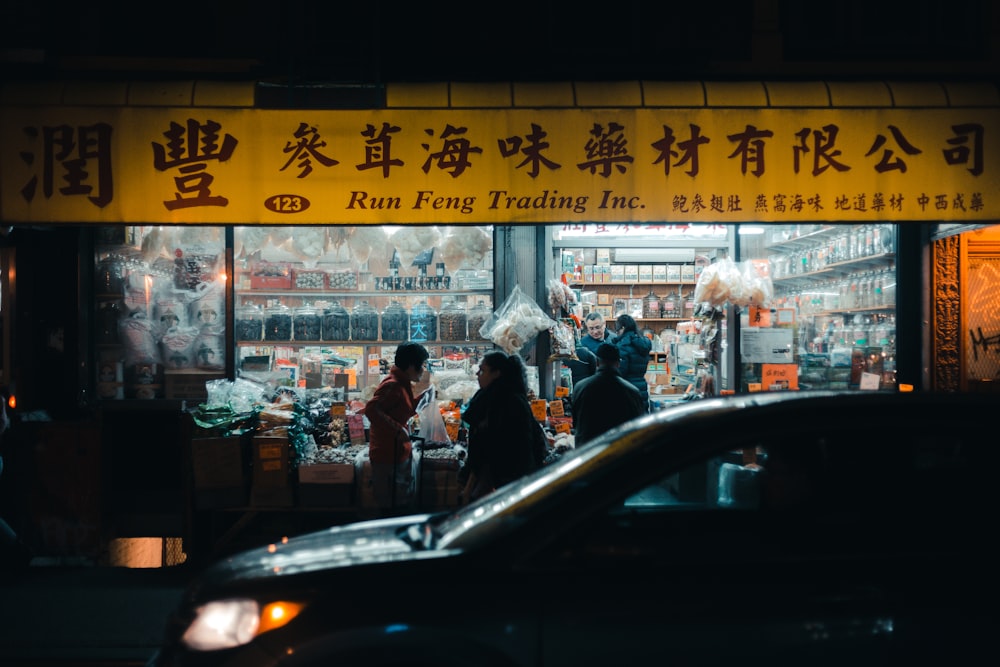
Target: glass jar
{"points": [[336, 323], [364, 322], [651, 305], [248, 323], [395, 322], [453, 321], [423, 322], [306, 323], [479, 315], [277, 322]]}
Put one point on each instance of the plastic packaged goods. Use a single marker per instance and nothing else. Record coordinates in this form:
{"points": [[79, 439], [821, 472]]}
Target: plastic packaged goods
{"points": [[209, 349], [277, 323], [306, 323], [364, 322], [423, 322], [395, 322], [336, 323], [453, 321], [248, 324]]}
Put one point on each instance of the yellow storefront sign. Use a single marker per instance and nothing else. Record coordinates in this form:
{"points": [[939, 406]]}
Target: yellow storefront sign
{"points": [[480, 166]]}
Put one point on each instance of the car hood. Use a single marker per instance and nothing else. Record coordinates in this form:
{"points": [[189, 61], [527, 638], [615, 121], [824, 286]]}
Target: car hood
{"points": [[362, 543]]}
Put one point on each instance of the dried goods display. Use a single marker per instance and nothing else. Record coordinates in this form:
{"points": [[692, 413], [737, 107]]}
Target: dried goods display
{"points": [[367, 291]]}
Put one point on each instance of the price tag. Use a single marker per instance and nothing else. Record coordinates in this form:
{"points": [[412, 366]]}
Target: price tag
{"points": [[562, 392], [563, 427], [538, 409], [556, 409], [780, 376]]}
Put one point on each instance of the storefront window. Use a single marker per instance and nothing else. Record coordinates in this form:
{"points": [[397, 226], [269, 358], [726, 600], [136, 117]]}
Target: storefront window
{"points": [[830, 321], [326, 306], [160, 295]]}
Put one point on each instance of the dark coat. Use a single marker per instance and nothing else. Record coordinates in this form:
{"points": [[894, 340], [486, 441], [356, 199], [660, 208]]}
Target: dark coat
{"points": [[602, 402], [583, 366], [591, 344], [634, 350], [505, 440]]}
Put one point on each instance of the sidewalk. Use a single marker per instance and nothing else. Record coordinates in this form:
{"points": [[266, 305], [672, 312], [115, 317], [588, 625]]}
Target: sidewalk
{"points": [[65, 612]]}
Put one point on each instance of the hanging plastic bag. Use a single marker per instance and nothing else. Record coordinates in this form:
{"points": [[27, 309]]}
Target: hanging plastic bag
{"points": [[563, 342], [433, 430], [517, 321]]}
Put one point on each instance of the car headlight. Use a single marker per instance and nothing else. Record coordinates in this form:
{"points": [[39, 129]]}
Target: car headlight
{"points": [[229, 623]]}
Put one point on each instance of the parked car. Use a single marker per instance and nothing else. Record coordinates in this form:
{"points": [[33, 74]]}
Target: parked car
{"points": [[790, 528]]}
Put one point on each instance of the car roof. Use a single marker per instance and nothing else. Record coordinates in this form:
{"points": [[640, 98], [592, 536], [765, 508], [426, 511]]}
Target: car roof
{"points": [[697, 429]]}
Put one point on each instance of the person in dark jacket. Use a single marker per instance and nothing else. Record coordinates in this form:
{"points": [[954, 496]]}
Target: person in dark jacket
{"points": [[583, 366], [634, 350], [505, 440], [595, 332], [605, 399]]}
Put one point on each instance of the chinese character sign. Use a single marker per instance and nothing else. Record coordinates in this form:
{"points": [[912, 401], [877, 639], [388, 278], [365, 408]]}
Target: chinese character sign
{"points": [[562, 166]]}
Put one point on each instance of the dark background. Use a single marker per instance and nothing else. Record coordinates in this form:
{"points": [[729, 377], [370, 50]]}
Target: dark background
{"points": [[314, 42]]}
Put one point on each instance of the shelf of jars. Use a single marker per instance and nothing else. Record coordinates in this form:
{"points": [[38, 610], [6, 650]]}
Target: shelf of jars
{"points": [[839, 241]]}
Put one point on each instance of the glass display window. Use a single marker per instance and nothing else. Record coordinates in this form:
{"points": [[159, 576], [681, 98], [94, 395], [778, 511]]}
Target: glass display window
{"points": [[357, 293], [160, 305], [830, 319]]}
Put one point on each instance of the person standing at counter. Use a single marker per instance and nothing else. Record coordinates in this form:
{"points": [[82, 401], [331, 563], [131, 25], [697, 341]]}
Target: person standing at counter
{"points": [[634, 350], [505, 440], [388, 412], [596, 332], [605, 399]]}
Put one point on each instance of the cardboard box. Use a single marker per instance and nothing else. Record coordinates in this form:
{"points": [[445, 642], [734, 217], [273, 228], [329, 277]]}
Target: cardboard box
{"points": [[309, 279], [645, 273], [438, 489], [618, 273], [673, 273], [603, 256], [219, 471], [189, 385], [217, 462], [326, 485], [267, 275], [631, 273], [659, 273], [270, 462], [278, 496], [687, 273]]}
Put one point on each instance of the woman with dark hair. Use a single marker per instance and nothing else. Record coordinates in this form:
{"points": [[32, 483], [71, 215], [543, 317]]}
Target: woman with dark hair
{"points": [[388, 412], [505, 440], [634, 350]]}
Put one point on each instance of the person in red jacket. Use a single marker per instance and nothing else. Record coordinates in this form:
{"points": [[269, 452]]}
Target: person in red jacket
{"points": [[388, 412]]}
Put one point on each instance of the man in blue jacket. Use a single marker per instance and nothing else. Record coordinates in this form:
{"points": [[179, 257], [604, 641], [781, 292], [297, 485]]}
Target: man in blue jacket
{"points": [[605, 399]]}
